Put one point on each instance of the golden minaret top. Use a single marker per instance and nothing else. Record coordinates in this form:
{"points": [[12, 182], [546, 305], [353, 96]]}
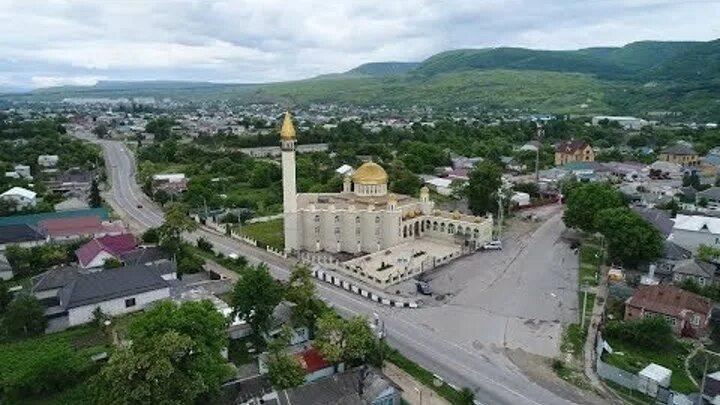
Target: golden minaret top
{"points": [[288, 130]]}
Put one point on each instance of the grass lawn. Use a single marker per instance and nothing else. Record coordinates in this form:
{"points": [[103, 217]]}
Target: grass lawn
{"points": [[589, 260], [634, 359], [630, 396], [268, 233], [574, 339], [697, 364], [22, 360]]}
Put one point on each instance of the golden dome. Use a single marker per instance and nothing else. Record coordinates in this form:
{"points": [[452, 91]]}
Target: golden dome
{"points": [[370, 173], [392, 197], [288, 130]]}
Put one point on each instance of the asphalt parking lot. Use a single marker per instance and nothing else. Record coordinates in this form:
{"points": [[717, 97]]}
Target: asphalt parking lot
{"points": [[519, 297]]}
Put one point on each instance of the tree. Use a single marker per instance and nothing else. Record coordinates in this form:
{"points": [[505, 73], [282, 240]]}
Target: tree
{"points": [[467, 396], [482, 186], [329, 337], [707, 253], [161, 197], [150, 236], [101, 130], [255, 296], [648, 332], [344, 340], [176, 222], [529, 188], [300, 291], [95, 199], [204, 244], [196, 319], [5, 296], [168, 369], [585, 200], [24, 317], [630, 238], [284, 369], [111, 263]]}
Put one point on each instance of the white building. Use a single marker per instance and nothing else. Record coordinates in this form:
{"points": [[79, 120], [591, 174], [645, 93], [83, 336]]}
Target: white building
{"points": [[115, 291], [23, 171], [48, 160], [364, 218], [21, 197], [691, 231], [625, 122]]}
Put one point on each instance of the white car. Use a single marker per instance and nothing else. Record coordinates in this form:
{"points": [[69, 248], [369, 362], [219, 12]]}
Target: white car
{"points": [[493, 245]]}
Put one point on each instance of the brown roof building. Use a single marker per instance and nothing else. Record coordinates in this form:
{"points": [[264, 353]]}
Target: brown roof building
{"points": [[573, 150], [687, 313]]}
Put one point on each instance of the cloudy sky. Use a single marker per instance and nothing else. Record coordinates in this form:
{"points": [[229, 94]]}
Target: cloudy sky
{"points": [[56, 42]]}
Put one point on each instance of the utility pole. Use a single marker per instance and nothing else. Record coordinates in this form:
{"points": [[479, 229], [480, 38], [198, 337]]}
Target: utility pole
{"points": [[538, 135], [500, 198]]}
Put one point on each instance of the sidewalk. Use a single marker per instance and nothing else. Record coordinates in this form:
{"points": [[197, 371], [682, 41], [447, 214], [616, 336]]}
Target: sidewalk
{"points": [[411, 388]]}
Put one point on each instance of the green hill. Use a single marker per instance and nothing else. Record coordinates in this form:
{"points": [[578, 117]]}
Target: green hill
{"points": [[640, 77], [629, 62], [379, 69]]}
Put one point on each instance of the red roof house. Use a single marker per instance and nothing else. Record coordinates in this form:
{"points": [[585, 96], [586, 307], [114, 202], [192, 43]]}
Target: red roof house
{"points": [[80, 227], [687, 313], [95, 252], [312, 361]]}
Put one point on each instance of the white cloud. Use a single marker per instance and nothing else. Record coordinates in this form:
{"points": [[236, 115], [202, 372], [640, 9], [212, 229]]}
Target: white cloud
{"points": [[267, 40]]}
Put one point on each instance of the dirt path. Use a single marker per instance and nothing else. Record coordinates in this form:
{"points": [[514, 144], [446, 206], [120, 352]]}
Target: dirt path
{"points": [[412, 388]]}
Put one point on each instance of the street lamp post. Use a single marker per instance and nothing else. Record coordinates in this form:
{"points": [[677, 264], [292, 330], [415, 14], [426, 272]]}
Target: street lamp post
{"points": [[419, 391]]}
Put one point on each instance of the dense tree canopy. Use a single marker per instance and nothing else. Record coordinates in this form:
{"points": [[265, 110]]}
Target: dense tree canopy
{"points": [[482, 187], [255, 296], [630, 238], [585, 200], [350, 340], [24, 316]]}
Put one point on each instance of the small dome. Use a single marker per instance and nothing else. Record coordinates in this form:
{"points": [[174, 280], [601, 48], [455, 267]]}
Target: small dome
{"points": [[370, 173]]}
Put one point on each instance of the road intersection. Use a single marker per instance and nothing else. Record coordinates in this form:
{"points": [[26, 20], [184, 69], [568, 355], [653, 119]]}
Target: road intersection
{"points": [[444, 339]]}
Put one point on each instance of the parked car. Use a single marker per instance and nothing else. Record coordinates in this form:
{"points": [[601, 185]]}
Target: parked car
{"points": [[424, 288], [139, 205], [493, 245]]}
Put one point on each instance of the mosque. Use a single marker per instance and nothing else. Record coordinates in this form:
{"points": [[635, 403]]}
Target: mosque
{"points": [[385, 238]]}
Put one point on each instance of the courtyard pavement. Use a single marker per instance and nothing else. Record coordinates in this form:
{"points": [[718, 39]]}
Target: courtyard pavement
{"points": [[517, 298]]}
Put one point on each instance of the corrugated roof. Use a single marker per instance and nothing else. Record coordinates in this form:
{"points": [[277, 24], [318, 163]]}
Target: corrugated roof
{"points": [[34, 219], [18, 233], [22, 192], [71, 226], [669, 300], [697, 223]]}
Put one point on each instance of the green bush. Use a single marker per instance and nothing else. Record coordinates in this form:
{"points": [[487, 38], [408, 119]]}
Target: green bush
{"points": [[649, 332]]}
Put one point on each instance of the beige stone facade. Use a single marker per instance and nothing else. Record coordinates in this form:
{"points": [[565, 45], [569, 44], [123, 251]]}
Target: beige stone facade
{"points": [[363, 218]]}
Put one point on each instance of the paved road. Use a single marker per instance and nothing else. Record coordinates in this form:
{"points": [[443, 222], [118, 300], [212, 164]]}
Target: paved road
{"points": [[493, 378]]}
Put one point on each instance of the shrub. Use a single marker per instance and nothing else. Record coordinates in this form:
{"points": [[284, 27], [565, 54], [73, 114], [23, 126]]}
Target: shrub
{"points": [[649, 332]]}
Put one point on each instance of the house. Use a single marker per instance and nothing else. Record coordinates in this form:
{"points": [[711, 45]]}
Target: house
{"points": [[710, 164], [691, 231], [703, 273], [72, 294], [664, 170], [48, 160], [6, 272], [21, 235], [174, 183], [360, 386], [344, 170], [23, 171], [98, 250], [711, 392], [532, 146], [572, 151], [711, 196], [74, 180], [281, 316], [21, 197], [687, 313], [76, 228], [145, 255], [440, 185], [315, 366], [680, 154]]}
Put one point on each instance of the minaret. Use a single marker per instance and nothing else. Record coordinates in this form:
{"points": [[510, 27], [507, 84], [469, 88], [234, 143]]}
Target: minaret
{"points": [[287, 146]]}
